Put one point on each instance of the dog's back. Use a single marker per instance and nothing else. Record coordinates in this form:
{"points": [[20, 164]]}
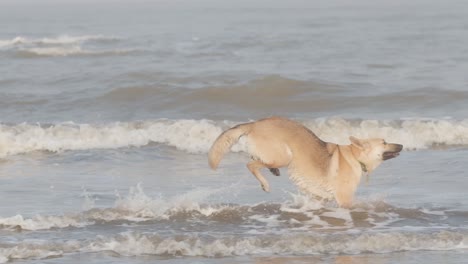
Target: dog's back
{"points": [[302, 142], [276, 142]]}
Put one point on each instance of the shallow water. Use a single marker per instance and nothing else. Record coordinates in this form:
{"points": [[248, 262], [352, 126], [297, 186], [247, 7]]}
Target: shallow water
{"points": [[107, 117]]}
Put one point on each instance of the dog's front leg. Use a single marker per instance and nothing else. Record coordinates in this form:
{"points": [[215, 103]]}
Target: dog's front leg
{"points": [[344, 195]]}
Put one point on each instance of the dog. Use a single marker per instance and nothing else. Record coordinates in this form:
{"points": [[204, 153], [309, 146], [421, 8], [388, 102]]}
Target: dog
{"points": [[318, 168]]}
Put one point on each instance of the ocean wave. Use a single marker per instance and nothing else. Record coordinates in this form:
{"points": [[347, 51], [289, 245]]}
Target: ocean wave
{"points": [[279, 94], [70, 51], [196, 136], [297, 226], [141, 244], [131, 244], [192, 136], [136, 207], [67, 39], [63, 45], [266, 87], [299, 213], [274, 90], [18, 222], [5, 43], [59, 40]]}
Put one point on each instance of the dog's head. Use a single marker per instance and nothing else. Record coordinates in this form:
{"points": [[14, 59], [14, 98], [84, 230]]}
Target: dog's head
{"points": [[371, 152]]}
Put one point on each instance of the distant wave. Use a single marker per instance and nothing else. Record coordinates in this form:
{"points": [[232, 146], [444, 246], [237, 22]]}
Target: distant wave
{"points": [[278, 94], [266, 94], [270, 87], [63, 45], [223, 97], [59, 40], [331, 230], [5, 43], [70, 51], [196, 136], [218, 97]]}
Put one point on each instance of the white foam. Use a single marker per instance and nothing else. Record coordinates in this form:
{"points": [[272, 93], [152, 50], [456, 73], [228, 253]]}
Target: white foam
{"points": [[339, 213], [40, 222], [63, 45], [67, 39], [57, 51], [412, 133], [302, 213], [308, 206], [11, 42], [196, 136], [55, 41], [302, 203], [187, 135], [63, 51], [143, 207], [37, 249], [125, 244], [138, 244], [136, 206], [433, 212]]}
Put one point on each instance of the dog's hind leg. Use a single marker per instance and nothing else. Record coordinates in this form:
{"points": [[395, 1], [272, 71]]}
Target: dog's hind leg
{"points": [[275, 171], [254, 166]]}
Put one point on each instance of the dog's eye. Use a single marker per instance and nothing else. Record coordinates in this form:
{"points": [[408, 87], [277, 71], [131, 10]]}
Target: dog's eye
{"points": [[384, 142]]}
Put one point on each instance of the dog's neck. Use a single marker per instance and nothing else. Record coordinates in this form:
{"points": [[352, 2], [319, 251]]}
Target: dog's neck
{"points": [[364, 169], [355, 151]]}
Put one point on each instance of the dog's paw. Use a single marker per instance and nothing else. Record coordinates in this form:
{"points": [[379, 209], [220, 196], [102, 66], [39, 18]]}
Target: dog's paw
{"points": [[266, 187], [275, 171]]}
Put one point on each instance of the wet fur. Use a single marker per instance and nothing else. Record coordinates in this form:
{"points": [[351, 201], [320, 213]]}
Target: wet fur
{"points": [[318, 168]]}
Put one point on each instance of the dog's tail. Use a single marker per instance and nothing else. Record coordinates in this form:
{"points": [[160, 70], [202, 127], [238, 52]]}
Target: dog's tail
{"points": [[224, 143]]}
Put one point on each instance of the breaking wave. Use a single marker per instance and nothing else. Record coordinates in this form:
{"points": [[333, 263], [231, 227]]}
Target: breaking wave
{"points": [[130, 244], [297, 226], [70, 51], [59, 40], [293, 227], [138, 244], [196, 136], [300, 213], [64, 45]]}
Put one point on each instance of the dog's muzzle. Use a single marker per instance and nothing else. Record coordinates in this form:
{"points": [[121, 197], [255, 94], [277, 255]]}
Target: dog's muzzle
{"points": [[393, 152]]}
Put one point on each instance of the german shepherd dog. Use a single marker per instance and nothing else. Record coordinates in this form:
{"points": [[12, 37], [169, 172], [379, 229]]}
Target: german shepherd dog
{"points": [[318, 168]]}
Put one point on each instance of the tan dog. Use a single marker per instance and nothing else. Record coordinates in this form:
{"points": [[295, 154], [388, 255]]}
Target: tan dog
{"points": [[318, 168]]}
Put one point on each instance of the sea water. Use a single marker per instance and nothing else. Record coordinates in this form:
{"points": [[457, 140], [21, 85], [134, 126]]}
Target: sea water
{"points": [[108, 110]]}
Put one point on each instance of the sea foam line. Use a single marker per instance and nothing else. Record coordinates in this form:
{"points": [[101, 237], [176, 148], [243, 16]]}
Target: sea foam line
{"points": [[59, 40], [300, 212], [136, 206], [196, 136], [74, 50], [63, 45], [134, 244], [140, 244]]}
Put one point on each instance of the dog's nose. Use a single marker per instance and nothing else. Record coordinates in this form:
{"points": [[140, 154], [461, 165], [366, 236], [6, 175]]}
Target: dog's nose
{"points": [[398, 147]]}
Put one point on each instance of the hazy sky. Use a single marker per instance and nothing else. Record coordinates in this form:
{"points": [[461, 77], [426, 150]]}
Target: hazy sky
{"points": [[227, 3]]}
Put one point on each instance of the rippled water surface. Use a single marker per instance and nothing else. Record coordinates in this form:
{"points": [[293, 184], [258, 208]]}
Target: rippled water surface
{"points": [[107, 112]]}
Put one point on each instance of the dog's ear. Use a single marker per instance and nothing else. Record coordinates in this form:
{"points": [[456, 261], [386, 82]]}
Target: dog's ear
{"points": [[356, 142]]}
